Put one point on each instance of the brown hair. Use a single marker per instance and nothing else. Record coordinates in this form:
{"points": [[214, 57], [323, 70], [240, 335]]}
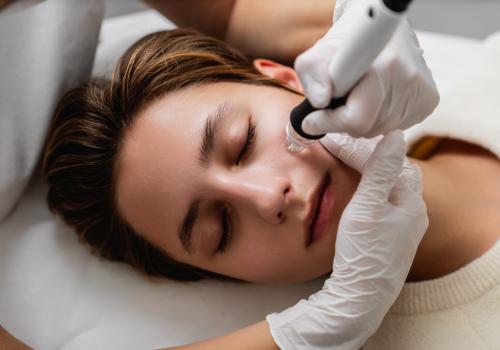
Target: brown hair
{"points": [[83, 144]]}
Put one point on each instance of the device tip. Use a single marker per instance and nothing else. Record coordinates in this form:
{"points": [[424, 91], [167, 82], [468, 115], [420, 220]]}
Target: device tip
{"points": [[292, 146], [294, 142]]}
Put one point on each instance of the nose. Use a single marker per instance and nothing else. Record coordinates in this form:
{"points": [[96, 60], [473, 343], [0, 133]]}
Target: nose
{"points": [[267, 194]]}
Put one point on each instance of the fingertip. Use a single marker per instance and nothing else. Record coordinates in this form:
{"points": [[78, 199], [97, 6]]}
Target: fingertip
{"points": [[323, 121], [418, 172], [316, 86], [349, 120], [396, 135], [313, 123], [318, 94], [395, 143], [417, 183], [302, 62]]}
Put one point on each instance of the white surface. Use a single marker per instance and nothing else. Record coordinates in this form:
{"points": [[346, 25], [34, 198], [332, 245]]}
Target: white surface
{"points": [[55, 295], [38, 62]]}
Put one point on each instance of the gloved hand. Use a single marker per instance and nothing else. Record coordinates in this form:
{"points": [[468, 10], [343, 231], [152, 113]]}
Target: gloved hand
{"points": [[378, 235], [397, 92]]}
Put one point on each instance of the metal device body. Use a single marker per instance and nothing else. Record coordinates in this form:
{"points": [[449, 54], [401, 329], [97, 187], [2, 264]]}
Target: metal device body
{"points": [[380, 19]]}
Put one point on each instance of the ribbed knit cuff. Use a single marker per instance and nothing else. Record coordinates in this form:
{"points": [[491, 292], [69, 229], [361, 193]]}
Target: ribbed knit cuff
{"points": [[460, 287]]}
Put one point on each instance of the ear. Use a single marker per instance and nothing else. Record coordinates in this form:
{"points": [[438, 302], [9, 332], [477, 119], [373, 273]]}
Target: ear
{"points": [[280, 72]]}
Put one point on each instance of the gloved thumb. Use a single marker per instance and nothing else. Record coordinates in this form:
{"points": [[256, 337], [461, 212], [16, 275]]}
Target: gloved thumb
{"points": [[381, 170], [357, 117]]}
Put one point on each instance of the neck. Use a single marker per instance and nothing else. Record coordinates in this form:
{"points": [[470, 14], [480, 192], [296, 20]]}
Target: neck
{"points": [[454, 236], [435, 243]]}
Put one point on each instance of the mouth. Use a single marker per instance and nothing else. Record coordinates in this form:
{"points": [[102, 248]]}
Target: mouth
{"points": [[320, 211]]}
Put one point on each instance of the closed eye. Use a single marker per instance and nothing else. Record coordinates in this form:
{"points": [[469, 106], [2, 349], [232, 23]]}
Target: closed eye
{"points": [[226, 232], [249, 143]]}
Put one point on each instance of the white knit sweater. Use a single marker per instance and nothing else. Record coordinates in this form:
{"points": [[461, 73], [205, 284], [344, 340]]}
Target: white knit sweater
{"points": [[460, 310]]}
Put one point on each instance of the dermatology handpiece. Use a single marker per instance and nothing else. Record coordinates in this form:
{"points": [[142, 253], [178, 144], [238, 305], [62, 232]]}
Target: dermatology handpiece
{"points": [[352, 60]]}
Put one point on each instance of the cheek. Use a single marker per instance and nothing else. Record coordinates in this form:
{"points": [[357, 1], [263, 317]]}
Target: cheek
{"points": [[345, 182], [278, 259], [260, 258], [273, 115], [345, 179]]}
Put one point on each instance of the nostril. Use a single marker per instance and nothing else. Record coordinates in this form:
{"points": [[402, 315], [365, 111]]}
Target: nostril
{"points": [[280, 215]]}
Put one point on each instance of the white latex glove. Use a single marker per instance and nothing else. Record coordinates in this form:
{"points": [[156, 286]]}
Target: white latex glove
{"points": [[377, 238], [397, 92]]}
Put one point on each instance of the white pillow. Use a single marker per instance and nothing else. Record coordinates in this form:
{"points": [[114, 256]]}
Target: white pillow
{"points": [[45, 49]]}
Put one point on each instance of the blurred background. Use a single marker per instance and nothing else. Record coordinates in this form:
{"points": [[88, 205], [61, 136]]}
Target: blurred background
{"points": [[470, 18]]}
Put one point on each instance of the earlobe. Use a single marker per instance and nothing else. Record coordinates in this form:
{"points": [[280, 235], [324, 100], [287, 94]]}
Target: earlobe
{"points": [[280, 72]]}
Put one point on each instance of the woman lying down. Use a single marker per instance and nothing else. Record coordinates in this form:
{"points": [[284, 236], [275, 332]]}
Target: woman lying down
{"points": [[177, 167]]}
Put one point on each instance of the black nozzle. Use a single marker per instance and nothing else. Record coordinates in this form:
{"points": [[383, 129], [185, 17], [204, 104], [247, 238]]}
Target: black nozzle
{"points": [[397, 5], [300, 112]]}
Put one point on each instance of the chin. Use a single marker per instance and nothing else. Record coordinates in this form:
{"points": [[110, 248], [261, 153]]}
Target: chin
{"points": [[297, 276], [323, 271]]}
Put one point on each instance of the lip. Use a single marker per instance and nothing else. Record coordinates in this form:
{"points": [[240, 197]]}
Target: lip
{"points": [[319, 212]]}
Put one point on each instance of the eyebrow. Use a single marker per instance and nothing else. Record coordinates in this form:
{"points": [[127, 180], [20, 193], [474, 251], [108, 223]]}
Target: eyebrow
{"points": [[211, 129]]}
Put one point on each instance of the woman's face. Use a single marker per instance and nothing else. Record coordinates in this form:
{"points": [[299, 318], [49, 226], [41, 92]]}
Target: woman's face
{"points": [[165, 186]]}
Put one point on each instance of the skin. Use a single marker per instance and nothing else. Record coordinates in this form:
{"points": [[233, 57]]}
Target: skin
{"points": [[249, 25], [462, 193], [9, 342], [155, 185], [271, 180]]}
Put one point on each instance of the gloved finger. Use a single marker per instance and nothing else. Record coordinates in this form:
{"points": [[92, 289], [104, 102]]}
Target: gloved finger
{"points": [[353, 152], [362, 108], [403, 195], [404, 199], [381, 171], [413, 205], [312, 69], [356, 117], [322, 122], [412, 176], [407, 192]]}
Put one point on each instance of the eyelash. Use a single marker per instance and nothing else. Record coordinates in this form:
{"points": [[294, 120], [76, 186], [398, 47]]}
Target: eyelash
{"points": [[226, 231], [225, 227], [249, 141]]}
